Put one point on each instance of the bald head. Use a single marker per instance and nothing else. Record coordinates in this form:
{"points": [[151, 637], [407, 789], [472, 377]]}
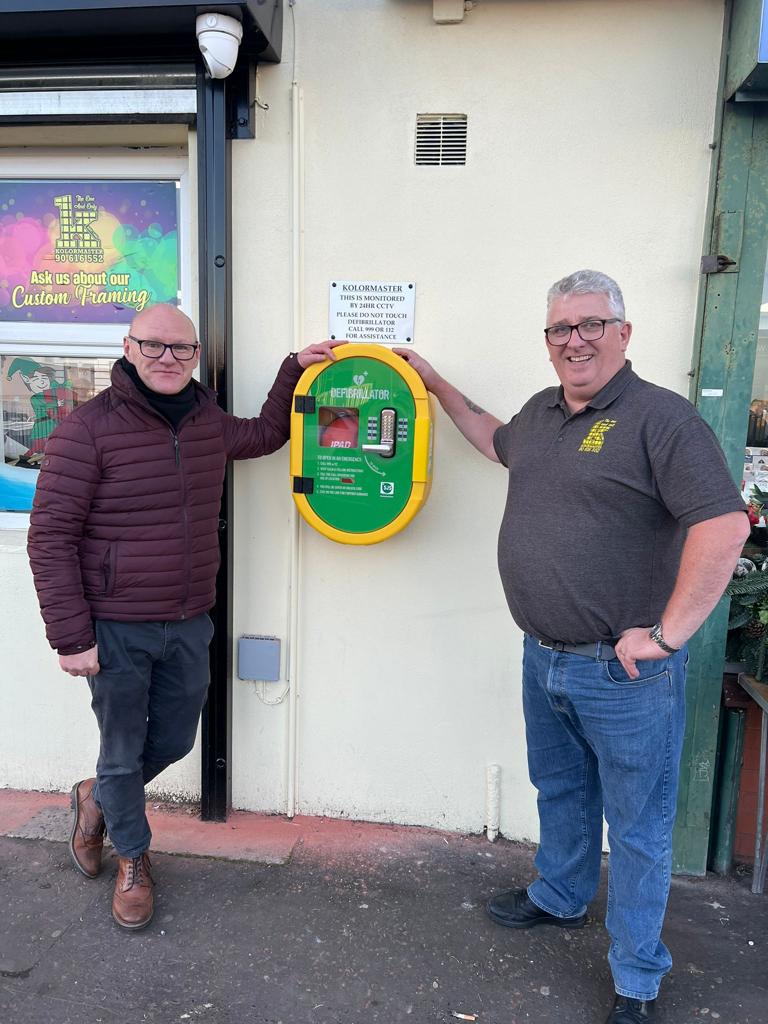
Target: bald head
{"points": [[164, 316], [167, 374]]}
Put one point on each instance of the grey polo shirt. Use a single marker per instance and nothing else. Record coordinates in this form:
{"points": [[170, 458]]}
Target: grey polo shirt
{"points": [[598, 506]]}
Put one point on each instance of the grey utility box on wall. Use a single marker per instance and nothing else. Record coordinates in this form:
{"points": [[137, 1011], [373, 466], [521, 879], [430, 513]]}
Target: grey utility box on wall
{"points": [[258, 659]]}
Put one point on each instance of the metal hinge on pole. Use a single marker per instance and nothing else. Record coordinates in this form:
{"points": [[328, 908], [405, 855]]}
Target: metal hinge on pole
{"points": [[716, 264], [727, 237]]}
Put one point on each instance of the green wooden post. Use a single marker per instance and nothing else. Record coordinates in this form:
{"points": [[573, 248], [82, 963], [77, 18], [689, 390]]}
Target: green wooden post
{"points": [[726, 366], [724, 831]]}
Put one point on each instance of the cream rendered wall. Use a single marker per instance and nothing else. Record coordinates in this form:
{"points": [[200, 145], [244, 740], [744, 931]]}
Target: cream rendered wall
{"points": [[589, 127], [589, 132], [44, 728]]}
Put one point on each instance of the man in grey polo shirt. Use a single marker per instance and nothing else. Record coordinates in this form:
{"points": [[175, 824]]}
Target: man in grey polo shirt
{"points": [[654, 527]]}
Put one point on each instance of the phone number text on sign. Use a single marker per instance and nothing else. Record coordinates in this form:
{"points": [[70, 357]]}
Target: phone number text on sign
{"points": [[380, 311]]}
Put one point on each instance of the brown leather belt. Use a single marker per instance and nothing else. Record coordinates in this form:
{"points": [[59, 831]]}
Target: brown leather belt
{"points": [[601, 651]]}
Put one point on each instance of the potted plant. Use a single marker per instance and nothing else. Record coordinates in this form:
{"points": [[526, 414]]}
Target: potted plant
{"points": [[748, 590]]}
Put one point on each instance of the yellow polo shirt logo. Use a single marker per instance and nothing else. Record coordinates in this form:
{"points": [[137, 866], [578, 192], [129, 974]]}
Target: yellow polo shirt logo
{"points": [[593, 442]]}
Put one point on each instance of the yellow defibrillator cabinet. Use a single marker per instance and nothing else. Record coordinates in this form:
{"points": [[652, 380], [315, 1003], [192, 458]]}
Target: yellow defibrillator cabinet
{"points": [[361, 444]]}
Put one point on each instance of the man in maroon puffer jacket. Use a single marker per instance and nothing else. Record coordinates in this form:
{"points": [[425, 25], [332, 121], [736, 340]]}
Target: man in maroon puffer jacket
{"points": [[124, 551]]}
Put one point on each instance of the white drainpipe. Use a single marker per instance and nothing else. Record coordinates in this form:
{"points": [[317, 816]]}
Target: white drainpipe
{"points": [[492, 800], [297, 273]]}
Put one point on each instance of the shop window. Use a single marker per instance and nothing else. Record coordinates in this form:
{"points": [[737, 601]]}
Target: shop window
{"points": [[748, 619], [78, 259], [756, 452]]}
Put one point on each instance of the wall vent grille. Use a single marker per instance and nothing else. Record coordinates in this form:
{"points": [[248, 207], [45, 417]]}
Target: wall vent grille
{"points": [[441, 139]]}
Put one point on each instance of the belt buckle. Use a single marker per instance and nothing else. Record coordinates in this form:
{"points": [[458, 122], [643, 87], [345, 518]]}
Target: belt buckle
{"points": [[552, 645]]}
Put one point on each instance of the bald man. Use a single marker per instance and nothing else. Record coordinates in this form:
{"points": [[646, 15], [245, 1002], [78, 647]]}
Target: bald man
{"points": [[124, 550]]}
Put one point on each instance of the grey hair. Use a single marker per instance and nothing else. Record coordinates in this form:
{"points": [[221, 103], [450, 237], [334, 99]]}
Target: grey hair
{"points": [[589, 282]]}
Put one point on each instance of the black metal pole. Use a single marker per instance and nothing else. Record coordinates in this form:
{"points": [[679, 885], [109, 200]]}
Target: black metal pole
{"points": [[214, 190]]}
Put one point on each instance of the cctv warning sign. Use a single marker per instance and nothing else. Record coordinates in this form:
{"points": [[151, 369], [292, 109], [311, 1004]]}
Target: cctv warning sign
{"points": [[378, 311]]}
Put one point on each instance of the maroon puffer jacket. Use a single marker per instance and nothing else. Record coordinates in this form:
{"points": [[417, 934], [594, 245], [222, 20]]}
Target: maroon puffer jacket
{"points": [[125, 518]]}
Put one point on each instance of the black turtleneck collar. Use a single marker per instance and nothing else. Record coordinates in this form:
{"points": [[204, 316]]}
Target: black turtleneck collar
{"points": [[173, 408]]}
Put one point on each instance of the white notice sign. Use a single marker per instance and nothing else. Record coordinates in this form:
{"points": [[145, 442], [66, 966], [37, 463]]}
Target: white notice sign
{"points": [[372, 311]]}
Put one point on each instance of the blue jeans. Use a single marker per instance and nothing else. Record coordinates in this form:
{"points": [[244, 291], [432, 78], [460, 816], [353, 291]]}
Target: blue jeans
{"points": [[147, 699], [600, 742]]}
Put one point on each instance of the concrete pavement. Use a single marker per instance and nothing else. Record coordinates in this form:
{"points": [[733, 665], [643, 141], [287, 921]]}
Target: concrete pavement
{"points": [[264, 921]]}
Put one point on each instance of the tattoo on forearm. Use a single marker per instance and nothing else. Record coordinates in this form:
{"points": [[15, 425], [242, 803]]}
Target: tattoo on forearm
{"points": [[472, 407]]}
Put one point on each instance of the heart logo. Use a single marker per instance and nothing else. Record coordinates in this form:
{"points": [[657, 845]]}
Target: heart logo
{"points": [[359, 379]]}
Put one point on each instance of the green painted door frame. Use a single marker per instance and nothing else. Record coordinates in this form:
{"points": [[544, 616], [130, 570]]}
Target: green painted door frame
{"points": [[722, 390]]}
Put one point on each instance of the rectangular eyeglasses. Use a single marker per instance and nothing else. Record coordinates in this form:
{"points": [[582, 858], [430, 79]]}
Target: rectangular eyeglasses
{"points": [[156, 349], [587, 330]]}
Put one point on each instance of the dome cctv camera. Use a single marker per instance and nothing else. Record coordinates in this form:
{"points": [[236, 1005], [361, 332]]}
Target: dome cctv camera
{"points": [[218, 37]]}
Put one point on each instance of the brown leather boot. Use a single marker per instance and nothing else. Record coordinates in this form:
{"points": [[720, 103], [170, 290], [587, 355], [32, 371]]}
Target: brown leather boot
{"points": [[87, 839], [133, 902]]}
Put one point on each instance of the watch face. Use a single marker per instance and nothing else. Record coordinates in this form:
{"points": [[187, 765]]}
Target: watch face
{"points": [[656, 635]]}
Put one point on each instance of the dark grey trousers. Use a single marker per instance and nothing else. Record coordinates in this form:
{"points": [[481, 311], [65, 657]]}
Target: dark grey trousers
{"points": [[147, 699]]}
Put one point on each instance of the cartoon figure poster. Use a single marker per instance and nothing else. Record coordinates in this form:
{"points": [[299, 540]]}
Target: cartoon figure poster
{"points": [[50, 399], [37, 393], [90, 252]]}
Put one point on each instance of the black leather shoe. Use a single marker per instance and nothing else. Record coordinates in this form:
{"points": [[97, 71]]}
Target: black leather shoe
{"points": [[514, 909], [631, 1011]]}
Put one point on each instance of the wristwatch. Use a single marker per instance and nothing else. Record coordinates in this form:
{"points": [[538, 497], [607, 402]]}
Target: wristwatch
{"points": [[658, 638]]}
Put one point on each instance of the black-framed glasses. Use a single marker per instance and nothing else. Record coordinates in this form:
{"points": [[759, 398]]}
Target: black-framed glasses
{"points": [[156, 349], [588, 330]]}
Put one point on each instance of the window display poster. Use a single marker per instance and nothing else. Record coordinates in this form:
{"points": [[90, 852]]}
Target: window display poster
{"points": [[36, 393], [90, 252]]}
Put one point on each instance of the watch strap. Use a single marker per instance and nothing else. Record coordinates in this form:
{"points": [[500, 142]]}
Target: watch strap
{"points": [[656, 634]]}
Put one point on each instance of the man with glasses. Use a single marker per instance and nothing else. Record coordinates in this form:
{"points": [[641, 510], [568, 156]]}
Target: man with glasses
{"points": [[653, 529], [124, 549]]}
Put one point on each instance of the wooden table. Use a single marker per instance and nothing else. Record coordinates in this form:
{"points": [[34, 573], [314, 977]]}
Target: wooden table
{"points": [[759, 693]]}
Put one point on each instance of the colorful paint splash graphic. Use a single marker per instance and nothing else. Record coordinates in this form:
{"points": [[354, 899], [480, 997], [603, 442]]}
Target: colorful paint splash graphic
{"points": [[86, 251]]}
